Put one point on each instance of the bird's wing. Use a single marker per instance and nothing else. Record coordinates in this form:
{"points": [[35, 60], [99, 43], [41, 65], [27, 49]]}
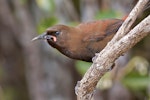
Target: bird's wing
{"points": [[94, 37], [103, 29]]}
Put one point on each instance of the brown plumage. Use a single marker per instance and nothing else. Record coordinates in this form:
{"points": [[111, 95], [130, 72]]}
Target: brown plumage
{"points": [[83, 41]]}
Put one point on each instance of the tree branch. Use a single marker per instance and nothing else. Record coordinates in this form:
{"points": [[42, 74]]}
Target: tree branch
{"points": [[121, 43], [125, 28]]}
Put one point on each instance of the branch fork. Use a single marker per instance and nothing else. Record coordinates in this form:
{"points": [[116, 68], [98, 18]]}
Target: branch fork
{"points": [[121, 43]]}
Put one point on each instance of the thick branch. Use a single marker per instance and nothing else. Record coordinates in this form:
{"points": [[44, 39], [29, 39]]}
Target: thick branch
{"points": [[105, 59]]}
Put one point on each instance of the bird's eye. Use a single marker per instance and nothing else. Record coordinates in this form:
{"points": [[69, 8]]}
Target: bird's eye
{"points": [[57, 33]]}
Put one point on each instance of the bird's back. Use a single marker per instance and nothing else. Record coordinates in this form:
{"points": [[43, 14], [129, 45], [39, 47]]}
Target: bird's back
{"points": [[95, 36]]}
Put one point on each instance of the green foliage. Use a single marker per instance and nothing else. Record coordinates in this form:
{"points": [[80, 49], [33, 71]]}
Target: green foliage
{"points": [[8, 93], [45, 23], [136, 75], [136, 83], [107, 14], [46, 5], [82, 66]]}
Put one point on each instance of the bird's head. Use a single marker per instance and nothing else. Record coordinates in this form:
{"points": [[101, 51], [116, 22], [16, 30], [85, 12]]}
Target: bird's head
{"points": [[56, 36]]}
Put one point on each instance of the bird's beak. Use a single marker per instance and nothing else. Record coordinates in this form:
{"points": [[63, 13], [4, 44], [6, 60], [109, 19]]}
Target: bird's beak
{"points": [[44, 36]]}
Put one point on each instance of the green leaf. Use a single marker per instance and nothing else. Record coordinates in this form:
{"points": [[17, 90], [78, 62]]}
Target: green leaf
{"points": [[45, 23], [137, 83], [82, 66]]}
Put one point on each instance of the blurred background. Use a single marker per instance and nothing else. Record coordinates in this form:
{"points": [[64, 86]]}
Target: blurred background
{"points": [[36, 71]]}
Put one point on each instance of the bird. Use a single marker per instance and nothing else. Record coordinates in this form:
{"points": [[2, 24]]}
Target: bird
{"points": [[83, 41]]}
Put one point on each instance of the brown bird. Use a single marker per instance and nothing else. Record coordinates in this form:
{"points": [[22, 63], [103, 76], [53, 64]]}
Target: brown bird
{"points": [[83, 41], [86, 39]]}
